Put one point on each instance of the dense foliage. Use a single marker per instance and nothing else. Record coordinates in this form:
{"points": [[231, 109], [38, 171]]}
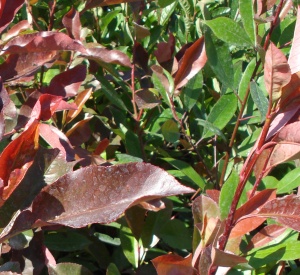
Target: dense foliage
{"points": [[149, 137]]}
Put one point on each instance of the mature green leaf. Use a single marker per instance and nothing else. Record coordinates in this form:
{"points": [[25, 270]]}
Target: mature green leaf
{"points": [[247, 14], [187, 170], [170, 131], [289, 181], [259, 99], [219, 59], [229, 31], [209, 126], [221, 113], [227, 194], [112, 269], [191, 92], [130, 246], [68, 268]]}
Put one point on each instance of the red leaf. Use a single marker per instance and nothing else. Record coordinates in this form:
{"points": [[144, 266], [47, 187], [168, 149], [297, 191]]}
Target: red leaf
{"points": [[191, 63], [101, 147], [284, 210], [291, 92], [16, 159], [80, 100], [42, 42], [173, 264], [72, 23], [57, 139], [141, 56], [19, 66], [8, 10], [107, 56], [80, 132], [213, 194], [16, 29], [221, 258], [265, 235], [66, 84], [294, 61], [244, 226], [165, 50], [277, 71]]}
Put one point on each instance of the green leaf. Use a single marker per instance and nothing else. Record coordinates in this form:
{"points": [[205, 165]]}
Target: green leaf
{"points": [[187, 170], [170, 131], [209, 126], [259, 99], [192, 91], [227, 193], [130, 246], [133, 144], [288, 250], [229, 31], [66, 241], [289, 181], [112, 269], [219, 59], [247, 15], [164, 3], [68, 268], [176, 235], [111, 94], [107, 239], [246, 78], [221, 113]]}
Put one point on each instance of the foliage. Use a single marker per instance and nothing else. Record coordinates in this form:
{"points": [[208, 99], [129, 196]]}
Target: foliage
{"points": [[113, 113]]}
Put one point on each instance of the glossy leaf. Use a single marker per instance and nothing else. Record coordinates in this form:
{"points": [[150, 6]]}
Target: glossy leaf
{"points": [[277, 71], [172, 264], [247, 15], [71, 21], [229, 31], [16, 159], [191, 63], [289, 182], [127, 185]]}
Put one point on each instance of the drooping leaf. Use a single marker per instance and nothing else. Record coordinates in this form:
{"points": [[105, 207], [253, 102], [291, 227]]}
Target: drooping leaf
{"points": [[173, 264], [229, 31], [294, 61], [277, 71], [16, 159], [71, 21], [191, 63], [16, 29], [103, 194]]}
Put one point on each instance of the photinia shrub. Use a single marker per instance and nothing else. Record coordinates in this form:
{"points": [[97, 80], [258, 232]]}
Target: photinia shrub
{"points": [[149, 137]]}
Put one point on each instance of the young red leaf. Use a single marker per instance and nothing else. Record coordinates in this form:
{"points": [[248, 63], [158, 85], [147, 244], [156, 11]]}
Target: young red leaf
{"points": [[141, 56], [284, 210], [277, 71], [16, 29], [72, 23], [265, 235], [80, 100], [294, 61], [165, 50], [57, 139], [42, 42], [291, 92], [103, 144], [107, 56], [16, 159], [173, 264], [191, 63], [67, 83], [80, 132], [21, 67], [8, 10], [103, 193]]}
